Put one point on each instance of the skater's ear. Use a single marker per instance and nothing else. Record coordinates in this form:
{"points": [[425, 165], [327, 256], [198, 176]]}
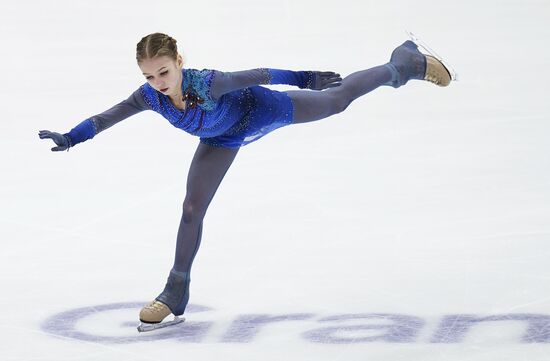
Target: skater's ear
{"points": [[179, 61]]}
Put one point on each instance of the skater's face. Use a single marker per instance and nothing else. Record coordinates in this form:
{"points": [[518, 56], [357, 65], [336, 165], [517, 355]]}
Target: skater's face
{"points": [[163, 74]]}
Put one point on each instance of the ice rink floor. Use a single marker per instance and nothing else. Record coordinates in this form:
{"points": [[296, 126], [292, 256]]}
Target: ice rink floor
{"points": [[413, 226]]}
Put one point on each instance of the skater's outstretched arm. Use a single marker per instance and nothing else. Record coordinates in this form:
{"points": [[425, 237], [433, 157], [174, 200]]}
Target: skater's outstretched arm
{"points": [[225, 82], [98, 123]]}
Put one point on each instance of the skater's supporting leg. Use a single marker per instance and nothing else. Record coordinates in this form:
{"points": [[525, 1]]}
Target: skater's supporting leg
{"points": [[207, 170], [208, 167], [314, 105]]}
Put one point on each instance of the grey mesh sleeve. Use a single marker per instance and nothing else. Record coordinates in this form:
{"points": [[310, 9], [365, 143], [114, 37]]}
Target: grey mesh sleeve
{"points": [[224, 82], [126, 108]]}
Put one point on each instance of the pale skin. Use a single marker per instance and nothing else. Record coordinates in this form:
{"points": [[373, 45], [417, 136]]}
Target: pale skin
{"points": [[164, 75]]}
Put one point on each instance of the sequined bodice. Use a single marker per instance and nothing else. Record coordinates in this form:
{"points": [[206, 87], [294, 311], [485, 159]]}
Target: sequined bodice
{"points": [[202, 115]]}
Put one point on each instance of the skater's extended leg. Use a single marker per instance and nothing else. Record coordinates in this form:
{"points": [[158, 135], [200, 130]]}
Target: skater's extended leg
{"points": [[208, 167], [406, 63], [314, 105]]}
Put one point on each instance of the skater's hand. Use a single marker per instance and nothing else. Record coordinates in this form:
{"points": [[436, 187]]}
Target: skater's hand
{"points": [[325, 79], [59, 139]]}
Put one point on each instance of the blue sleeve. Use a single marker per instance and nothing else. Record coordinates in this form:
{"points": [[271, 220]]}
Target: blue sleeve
{"points": [[225, 82], [92, 126]]}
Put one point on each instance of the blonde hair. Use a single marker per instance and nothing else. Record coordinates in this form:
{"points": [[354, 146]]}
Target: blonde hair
{"points": [[156, 44]]}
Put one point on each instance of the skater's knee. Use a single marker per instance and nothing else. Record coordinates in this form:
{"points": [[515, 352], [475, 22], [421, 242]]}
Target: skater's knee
{"points": [[192, 212]]}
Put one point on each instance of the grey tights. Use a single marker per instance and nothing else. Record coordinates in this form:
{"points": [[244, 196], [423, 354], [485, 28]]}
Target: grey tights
{"points": [[210, 164], [315, 105]]}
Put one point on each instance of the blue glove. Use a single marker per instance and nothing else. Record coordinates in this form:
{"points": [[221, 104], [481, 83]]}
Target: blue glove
{"points": [[60, 140], [324, 79], [82, 132], [305, 79]]}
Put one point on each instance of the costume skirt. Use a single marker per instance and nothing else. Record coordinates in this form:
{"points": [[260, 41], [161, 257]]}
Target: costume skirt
{"points": [[266, 111]]}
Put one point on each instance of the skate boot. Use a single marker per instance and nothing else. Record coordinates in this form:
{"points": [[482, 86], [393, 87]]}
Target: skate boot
{"points": [[173, 300], [407, 63]]}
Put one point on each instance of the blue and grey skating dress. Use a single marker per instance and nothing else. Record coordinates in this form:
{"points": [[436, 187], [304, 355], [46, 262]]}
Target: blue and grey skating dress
{"points": [[224, 109]]}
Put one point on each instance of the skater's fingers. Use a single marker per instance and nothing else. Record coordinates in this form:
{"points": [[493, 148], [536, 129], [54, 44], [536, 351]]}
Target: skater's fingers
{"points": [[58, 149], [59, 139], [334, 80], [328, 77], [333, 85], [43, 136], [337, 78], [328, 73]]}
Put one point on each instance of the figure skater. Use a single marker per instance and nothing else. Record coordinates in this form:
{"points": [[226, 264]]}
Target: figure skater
{"points": [[228, 110]]}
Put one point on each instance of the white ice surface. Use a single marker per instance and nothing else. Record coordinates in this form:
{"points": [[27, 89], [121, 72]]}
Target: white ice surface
{"points": [[421, 201]]}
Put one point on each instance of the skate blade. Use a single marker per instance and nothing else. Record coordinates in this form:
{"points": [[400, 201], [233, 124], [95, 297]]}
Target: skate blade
{"points": [[423, 45], [146, 327]]}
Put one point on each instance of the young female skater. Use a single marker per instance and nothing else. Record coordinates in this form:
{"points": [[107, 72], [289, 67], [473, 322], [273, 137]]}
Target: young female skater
{"points": [[228, 110]]}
